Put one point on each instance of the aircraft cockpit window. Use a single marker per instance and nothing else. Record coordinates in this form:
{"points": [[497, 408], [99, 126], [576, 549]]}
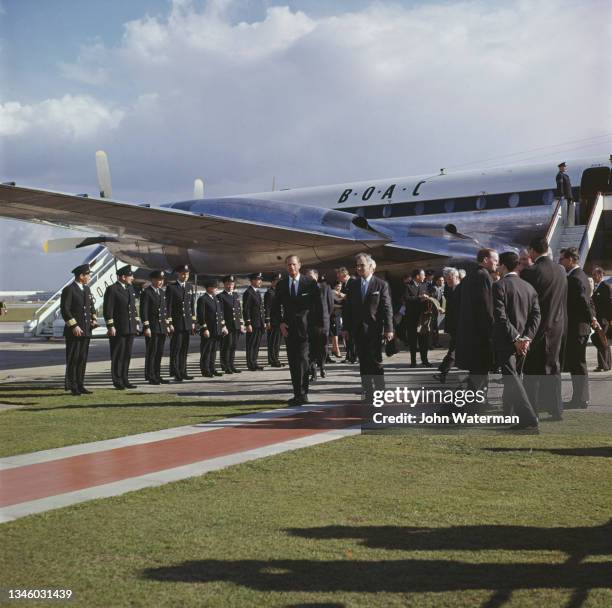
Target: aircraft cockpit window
{"points": [[449, 206], [387, 211], [513, 200], [548, 197], [419, 208], [481, 203]]}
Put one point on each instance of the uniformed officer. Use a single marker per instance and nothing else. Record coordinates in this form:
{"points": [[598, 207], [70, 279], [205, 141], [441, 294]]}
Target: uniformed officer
{"points": [[122, 322], [155, 326], [180, 306], [79, 313], [253, 312], [232, 315], [272, 324], [212, 328]]}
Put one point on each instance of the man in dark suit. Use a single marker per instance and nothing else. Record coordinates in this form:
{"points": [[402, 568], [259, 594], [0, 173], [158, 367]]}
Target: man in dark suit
{"points": [[232, 315], [474, 337], [413, 302], [580, 317], [542, 367], [155, 326], [516, 318], [180, 302], [209, 312], [344, 277], [273, 336], [602, 302], [122, 322], [320, 318], [254, 320], [451, 319], [79, 314], [296, 297], [368, 314]]}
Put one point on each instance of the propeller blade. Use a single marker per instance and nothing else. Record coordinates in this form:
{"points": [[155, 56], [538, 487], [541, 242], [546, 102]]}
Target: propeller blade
{"points": [[69, 243], [104, 179], [198, 188]]}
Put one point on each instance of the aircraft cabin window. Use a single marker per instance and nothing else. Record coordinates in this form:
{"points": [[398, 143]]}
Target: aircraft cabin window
{"points": [[449, 206], [419, 208], [481, 203], [387, 211], [513, 200]]}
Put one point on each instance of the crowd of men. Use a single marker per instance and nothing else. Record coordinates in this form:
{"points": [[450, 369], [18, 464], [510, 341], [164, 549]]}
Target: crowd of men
{"points": [[526, 316]]}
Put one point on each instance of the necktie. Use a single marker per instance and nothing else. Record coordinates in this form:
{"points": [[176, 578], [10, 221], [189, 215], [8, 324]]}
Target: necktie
{"points": [[364, 289], [293, 288]]}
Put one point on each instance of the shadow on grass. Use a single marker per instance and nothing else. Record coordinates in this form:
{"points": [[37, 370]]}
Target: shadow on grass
{"points": [[599, 452], [421, 575]]}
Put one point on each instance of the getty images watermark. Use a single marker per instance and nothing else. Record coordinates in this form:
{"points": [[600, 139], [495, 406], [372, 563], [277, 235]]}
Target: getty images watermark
{"points": [[405, 407]]}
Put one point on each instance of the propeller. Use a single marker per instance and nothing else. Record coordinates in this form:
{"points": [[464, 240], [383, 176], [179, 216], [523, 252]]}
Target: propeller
{"points": [[69, 243], [198, 188], [104, 179]]}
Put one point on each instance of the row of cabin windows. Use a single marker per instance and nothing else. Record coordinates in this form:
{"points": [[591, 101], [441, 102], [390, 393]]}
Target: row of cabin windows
{"points": [[478, 203]]}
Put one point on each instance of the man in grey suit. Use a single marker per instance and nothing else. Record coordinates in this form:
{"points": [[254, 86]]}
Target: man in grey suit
{"points": [[516, 318], [580, 317], [543, 367], [368, 316]]}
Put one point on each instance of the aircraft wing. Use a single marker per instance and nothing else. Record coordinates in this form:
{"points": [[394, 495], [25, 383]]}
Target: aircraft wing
{"points": [[221, 225]]}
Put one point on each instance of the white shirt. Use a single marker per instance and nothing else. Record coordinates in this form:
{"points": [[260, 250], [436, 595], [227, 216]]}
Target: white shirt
{"points": [[295, 281], [80, 285], [572, 270], [365, 283]]}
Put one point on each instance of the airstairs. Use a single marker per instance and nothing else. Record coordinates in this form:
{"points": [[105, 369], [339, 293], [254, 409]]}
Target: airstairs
{"points": [[563, 232], [103, 266]]}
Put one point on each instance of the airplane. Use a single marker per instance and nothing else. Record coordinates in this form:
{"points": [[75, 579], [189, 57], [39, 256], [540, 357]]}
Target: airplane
{"points": [[426, 220]]}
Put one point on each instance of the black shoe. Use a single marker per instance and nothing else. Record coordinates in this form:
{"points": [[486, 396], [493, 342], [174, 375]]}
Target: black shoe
{"points": [[426, 364], [440, 378], [293, 401], [259, 368], [187, 377], [178, 379], [207, 375], [130, 385], [303, 400], [276, 364], [84, 391], [323, 373], [119, 387], [163, 381], [216, 373], [75, 392], [574, 405], [236, 371], [413, 364], [156, 382]]}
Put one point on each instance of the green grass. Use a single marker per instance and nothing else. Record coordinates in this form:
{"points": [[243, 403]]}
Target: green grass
{"points": [[18, 314], [424, 521], [51, 418]]}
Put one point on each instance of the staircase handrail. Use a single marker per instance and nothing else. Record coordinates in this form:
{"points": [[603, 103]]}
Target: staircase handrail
{"points": [[591, 227]]}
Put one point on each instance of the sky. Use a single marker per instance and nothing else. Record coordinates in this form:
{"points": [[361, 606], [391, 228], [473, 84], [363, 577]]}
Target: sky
{"points": [[309, 91]]}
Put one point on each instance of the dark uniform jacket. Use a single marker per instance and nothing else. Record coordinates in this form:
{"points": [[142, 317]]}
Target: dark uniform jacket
{"points": [[516, 312], [295, 310], [210, 314], [120, 309], [232, 311], [372, 315], [550, 282], [602, 300], [252, 308], [411, 300], [180, 306], [321, 313], [268, 299], [153, 310], [579, 312], [475, 319], [564, 186], [77, 308]]}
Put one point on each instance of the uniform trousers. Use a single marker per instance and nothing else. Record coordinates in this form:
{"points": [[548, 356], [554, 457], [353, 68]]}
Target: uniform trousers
{"points": [[208, 354], [273, 341], [77, 350], [121, 354], [179, 347], [253, 342], [229, 343], [154, 352]]}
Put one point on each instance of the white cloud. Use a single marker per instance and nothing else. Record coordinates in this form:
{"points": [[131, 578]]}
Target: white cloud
{"points": [[72, 117], [387, 90]]}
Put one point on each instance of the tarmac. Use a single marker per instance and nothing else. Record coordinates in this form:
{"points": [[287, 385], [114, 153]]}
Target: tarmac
{"points": [[37, 482]]}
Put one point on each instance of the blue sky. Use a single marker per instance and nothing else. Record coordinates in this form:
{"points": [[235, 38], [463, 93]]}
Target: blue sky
{"points": [[312, 92]]}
